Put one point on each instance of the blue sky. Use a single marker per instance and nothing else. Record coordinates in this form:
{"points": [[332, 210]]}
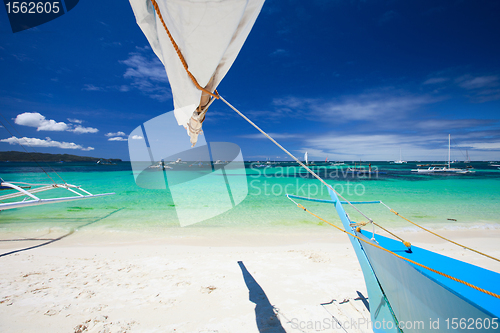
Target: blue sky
{"points": [[348, 80]]}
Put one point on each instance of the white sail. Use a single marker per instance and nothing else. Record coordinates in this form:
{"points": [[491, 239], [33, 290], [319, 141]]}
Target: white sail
{"points": [[209, 34], [400, 161], [444, 170], [305, 158]]}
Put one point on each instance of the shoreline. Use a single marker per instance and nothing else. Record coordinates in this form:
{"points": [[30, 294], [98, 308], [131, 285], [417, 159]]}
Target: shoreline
{"points": [[197, 279]]}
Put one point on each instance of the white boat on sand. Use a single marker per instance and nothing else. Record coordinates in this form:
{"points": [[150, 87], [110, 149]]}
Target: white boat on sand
{"points": [[27, 191]]}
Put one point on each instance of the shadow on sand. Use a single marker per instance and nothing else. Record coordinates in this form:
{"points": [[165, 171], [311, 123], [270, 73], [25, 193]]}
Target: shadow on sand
{"points": [[266, 318], [50, 240]]}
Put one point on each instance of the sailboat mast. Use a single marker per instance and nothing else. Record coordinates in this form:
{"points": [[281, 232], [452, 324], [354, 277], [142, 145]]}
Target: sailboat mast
{"points": [[449, 152]]}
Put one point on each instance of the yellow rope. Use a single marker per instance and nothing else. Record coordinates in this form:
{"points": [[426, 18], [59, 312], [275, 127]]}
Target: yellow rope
{"points": [[216, 95], [179, 54], [407, 244], [403, 258], [449, 240]]}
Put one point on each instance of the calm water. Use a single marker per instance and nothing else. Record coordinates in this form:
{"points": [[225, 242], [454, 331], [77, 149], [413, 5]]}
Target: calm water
{"points": [[432, 200]]}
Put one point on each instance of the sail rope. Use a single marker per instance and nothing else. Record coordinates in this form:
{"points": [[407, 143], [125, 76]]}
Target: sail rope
{"points": [[293, 157], [217, 96], [401, 257], [442, 237], [358, 226], [370, 220], [179, 53]]}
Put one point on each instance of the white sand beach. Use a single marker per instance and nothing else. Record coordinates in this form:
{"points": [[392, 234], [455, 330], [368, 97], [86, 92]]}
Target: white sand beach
{"points": [[196, 280]]}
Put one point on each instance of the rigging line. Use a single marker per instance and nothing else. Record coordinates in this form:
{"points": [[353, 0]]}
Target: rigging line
{"points": [[406, 243], [292, 156], [216, 95], [403, 258], [29, 154], [455, 145], [338, 322], [279, 313], [438, 235]]}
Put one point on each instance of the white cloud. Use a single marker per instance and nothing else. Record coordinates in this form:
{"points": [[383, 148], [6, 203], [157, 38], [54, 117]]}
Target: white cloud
{"points": [[147, 74], [386, 146], [436, 80], [116, 134], [139, 66], [48, 142], [481, 88], [370, 107], [35, 119], [77, 121], [441, 124], [80, 129], [279, 52], [382, 146], [91, 87], [479, 82], [144, 72], [483, 145], [136, 137], [383, 121]]}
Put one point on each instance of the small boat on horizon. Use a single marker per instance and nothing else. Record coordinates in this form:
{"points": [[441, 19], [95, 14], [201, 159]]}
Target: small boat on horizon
{"points": [[101, 162], [445, 169], [400, 161], [160, 166]]}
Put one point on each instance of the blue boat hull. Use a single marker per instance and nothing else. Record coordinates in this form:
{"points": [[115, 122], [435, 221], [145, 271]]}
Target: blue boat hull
{"points": [[407, 298]]}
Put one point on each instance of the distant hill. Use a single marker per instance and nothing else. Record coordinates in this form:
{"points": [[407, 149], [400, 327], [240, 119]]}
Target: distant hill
{"points": [[18, 156]]}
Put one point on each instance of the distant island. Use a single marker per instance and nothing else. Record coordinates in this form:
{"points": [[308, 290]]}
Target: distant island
{"points": [[18, 156]]}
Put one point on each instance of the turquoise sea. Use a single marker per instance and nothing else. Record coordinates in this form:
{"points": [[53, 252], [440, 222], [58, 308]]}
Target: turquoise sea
{"points": [[437, 201]]}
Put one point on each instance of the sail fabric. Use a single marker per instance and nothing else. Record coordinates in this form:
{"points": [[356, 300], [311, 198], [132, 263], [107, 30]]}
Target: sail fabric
{"points": [[209, 34]]}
